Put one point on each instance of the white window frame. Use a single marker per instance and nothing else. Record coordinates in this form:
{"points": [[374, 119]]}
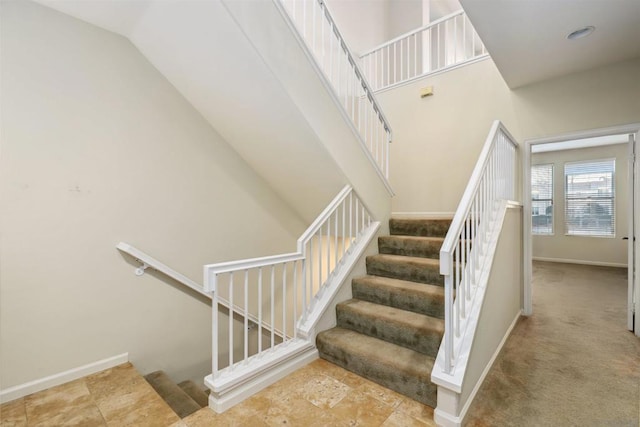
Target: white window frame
{"points": [[533, 231], [613, 199]]}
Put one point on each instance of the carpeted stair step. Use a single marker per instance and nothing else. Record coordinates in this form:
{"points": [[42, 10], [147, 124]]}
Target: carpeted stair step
{"points": [[405, 328], [414, 269], [195, 392], [181, 403], [419, 227], [417, 297], [425, 247], [397, 368]]}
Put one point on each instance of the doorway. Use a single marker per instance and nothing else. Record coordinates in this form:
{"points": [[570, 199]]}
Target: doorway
{"points": [[578, 209]]}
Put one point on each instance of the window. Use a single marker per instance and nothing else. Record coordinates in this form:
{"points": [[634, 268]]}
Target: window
{"points": [[589, 198], [542, 199]]}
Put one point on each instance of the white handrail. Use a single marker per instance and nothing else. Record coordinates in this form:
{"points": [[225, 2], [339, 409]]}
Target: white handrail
{"points": [[148, 261], [316, 27], [412, 32], [280, 293], [442, 44], [462, 254]]}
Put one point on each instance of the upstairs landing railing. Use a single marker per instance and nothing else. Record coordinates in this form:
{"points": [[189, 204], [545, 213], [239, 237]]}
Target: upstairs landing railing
{"points": [[462, 256], [442, 44], [322, 37], [275, 300]]}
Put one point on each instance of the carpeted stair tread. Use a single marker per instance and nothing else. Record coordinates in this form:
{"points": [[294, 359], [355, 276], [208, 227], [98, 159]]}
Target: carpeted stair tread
{"points": [[181, 403], [397, 368], [414, 269], [420, 227], [405, 328], [195, 392], [417, 246], [411, 296]]}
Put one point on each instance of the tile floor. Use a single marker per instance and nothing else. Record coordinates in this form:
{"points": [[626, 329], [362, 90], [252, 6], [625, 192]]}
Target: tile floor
{"points": [[320, 394]]}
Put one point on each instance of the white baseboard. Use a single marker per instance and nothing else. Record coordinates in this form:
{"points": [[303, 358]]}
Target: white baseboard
{"points": [[220, 403], [446, 419], [21, 390], [422, 215], [579, 261]]}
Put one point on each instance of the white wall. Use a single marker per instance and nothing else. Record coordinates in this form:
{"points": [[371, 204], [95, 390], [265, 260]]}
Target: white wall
{"points": [[97, 147], [363, 23], [583, 248], [437, 139]]}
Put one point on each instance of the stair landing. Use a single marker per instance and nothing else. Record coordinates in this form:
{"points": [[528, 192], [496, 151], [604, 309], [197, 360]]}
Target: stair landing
{"points": [[318, 394]]}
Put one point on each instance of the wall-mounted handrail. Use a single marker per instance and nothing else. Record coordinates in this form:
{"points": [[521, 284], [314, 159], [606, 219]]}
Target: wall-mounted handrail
{"points": [[148, 261], [442, 44], [316, 27], [462, 255], [281, 292]]}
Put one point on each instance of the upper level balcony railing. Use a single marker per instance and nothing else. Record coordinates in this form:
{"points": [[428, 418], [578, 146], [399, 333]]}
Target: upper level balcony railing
{"points": [[445, 43]]}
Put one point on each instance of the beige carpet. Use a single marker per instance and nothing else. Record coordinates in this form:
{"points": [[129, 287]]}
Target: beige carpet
{"points": [[572, 363]]}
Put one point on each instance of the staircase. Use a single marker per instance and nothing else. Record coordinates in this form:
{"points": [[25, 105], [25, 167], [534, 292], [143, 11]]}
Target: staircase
{"points": [[184, 398], [391, 330]]}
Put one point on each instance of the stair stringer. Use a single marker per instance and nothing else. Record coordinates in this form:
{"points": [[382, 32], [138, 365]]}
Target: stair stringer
{"points": [[476, 353]]}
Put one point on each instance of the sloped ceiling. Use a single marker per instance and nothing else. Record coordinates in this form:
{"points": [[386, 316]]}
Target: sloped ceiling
{"points": [[527, 39]]}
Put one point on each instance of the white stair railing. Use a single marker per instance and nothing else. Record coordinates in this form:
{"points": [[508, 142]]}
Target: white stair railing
{"points": [[273, 298], [317, 28], [462, 255], [444, 43]]}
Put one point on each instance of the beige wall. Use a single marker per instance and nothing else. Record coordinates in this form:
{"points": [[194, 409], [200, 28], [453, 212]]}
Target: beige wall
{"points": [[437, 139], [97, 148], [581, 248], [502, 300], [363, 23]]}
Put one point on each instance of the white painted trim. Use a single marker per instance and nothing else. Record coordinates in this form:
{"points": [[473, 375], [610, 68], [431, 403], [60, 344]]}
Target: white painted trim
{"points": [[148, 261], [462, 345], [21, 390], [579, 261], [422, 215], [434, 73], [487, 369], [220, 402], [443, 418], [526, 170], [307, 329]]}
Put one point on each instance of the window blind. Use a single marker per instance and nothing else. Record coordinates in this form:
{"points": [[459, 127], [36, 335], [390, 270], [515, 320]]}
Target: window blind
{"points": [[590, 198], [542, 199]]}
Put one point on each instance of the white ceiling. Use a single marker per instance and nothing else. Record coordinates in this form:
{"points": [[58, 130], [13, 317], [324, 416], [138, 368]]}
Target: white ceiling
{"points": [[527, 39]]}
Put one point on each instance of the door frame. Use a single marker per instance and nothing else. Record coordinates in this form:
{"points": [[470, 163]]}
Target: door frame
{"points": [[633, 128]]}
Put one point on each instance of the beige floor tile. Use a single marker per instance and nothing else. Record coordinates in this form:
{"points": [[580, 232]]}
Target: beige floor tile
{"points": [[203, 417], [118, 380], [69, 404], [13, 414], [324, 392], [399, 419], [301, 412], [417, 410], [360, 409], [138, 405], [385, 395]]}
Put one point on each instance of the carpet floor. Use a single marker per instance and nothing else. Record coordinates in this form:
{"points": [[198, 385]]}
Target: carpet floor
{"points": [[573, 363]]}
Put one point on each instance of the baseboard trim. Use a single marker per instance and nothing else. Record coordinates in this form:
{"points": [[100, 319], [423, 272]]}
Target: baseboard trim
{"points": [[21, 390], [220, 403], [422, 215], [465, 408], [446, 419], [579, 261]]}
